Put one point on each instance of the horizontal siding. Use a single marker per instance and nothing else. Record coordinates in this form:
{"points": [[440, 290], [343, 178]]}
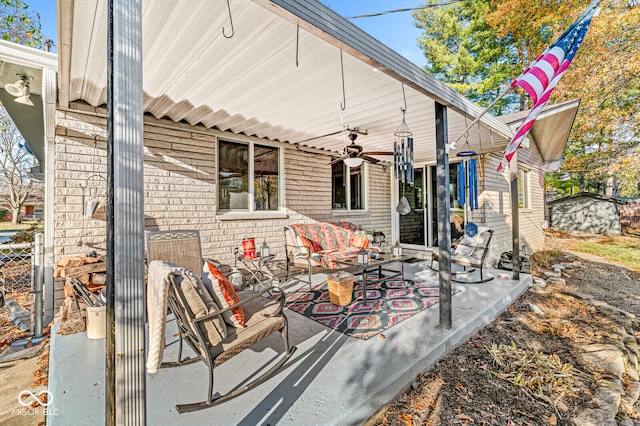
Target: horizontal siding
{"points": [[497, 196]]}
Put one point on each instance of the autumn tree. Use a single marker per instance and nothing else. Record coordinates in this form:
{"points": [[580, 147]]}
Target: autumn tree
{"points": [[15, 186], [605, 140], [19, 24], [605, 74]]}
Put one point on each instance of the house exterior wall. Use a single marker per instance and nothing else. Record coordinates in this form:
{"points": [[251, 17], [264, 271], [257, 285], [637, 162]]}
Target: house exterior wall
{"points": [[495, 205], [586, 215], [180, 188]]}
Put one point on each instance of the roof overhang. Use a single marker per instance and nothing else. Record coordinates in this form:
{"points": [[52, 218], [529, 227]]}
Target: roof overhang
{"points": [[550, 132], [279, 77], [41, 66]]}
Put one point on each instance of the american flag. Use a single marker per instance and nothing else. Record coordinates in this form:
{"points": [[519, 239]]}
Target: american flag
{"points": [[542, 76]]}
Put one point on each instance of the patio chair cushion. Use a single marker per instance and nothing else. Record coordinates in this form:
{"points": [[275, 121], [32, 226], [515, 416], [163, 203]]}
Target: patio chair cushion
{"points": [[259, 324], [324, 236], [326, 243], [328, 259], [224, 294], [201, 303]]}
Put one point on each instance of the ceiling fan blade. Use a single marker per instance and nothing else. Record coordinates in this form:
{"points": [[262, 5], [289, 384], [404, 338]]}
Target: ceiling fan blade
{"points": [[369, 159], [378, 153], [336, 160]]}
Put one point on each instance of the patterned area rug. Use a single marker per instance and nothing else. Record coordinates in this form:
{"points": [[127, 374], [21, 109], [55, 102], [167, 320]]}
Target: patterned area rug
{"points": [[389, 302]]}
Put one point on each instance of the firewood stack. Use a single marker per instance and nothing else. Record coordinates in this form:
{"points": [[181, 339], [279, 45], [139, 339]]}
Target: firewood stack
{"points": [[91, 271]]}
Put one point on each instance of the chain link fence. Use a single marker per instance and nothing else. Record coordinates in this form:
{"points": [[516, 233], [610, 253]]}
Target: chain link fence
{"points": [[20, 273], [16, 267]]}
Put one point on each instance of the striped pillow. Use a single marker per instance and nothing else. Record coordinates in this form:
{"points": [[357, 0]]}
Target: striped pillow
{"points": [[224, 294]]}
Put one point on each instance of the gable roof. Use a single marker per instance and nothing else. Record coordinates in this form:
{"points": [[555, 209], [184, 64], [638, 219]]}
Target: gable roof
{"points": [[587, 195]]}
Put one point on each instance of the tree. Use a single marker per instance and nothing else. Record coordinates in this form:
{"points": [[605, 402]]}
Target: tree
{"points": [[463, 51], [605, 73], [606, 76], [15, 186], [19, 24]]}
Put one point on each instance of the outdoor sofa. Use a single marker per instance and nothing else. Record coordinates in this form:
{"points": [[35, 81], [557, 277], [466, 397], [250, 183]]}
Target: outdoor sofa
{"points": [[320, 245]]}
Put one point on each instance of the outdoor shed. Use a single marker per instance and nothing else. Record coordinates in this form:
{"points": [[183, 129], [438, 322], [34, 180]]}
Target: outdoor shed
{"points": [[586, 213]]}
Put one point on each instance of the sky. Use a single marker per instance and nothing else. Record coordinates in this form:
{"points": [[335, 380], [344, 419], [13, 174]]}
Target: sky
{"points": [[47, 11], [396, 30]]}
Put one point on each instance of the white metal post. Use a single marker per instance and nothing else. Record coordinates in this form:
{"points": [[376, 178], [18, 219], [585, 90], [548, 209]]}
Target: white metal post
{"points": [[126, 379]]}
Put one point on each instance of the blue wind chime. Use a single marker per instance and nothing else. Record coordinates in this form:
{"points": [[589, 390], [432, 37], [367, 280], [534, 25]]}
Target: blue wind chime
{"points": [[468, 177]]}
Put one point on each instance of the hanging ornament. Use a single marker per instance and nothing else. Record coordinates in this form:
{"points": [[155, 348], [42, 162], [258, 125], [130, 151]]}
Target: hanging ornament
{"points": [[403, 152]]}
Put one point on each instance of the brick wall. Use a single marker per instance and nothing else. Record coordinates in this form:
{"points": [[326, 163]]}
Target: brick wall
{"points": [[180, 188]]}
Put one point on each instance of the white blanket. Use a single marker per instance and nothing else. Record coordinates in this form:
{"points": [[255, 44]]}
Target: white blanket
{"points": [[159, 282]]}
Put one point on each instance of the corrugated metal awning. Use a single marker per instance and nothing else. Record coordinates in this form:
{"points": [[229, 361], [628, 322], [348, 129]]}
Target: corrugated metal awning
{"points": [[278, 77]]}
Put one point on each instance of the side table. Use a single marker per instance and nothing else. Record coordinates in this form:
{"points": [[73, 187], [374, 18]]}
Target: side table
{"points": [[256, 268]]}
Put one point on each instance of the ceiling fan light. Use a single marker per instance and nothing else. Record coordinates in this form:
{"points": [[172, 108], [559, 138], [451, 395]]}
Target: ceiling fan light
{"points": [[353, 161], [15, 89]]}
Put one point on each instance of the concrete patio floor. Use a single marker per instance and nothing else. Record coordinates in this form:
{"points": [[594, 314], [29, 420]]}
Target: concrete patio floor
{"points": [[332, 379]]}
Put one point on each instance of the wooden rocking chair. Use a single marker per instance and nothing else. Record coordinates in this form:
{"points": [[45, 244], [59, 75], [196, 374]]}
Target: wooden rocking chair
{"points": [[263, 315]]}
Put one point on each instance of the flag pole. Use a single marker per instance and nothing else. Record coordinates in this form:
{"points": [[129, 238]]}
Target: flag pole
{"points": [[502, 95]]}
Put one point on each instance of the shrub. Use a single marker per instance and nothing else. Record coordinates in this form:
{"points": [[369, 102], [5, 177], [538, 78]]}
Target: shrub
{"points": [[26, 235]]}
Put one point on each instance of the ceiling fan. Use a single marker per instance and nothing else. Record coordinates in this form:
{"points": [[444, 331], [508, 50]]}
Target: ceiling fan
{"points": [[353, 154]]}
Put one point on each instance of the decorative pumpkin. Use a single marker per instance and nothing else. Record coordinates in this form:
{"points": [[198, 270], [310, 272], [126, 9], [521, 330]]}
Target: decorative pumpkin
{"points": [[360, 241]]}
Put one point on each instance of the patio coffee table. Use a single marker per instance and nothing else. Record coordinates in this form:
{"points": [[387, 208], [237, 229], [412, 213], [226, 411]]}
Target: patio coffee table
{"points": [[352, 266]]}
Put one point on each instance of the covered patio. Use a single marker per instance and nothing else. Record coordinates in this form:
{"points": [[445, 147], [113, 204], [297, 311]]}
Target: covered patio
{"points": [[331, 379], [153, 105]]}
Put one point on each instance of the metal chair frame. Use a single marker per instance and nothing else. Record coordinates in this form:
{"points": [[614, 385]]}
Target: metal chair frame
{"points": [[190, 332]]}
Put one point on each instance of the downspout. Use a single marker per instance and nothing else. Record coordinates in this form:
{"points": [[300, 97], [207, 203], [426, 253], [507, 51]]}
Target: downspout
{"points": [[49, 97]]}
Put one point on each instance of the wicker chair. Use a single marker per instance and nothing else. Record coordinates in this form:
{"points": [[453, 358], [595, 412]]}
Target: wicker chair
{"points": [[470, 252], [263, 315]]}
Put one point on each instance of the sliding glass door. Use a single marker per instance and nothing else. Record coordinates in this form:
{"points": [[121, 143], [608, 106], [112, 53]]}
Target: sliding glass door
{"points": [[412, 229], [457, 210], [419, 227]]}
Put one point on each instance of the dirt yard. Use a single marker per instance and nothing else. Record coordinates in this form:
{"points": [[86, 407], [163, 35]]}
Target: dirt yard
{"points": [[526, 367]]}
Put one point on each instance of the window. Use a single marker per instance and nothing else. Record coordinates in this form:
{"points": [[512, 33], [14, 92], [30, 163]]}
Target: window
{"points": [[523, 188], [248, 185], [347, 187]]}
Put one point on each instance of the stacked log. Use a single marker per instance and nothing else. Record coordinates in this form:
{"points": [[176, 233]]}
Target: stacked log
{"points": [[91, 271]]}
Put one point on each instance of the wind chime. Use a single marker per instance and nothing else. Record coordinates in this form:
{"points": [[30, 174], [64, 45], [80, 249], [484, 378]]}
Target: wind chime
{"points": [[468, 182], [403, 159]]}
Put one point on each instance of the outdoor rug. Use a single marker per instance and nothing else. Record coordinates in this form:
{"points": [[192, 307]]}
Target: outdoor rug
{"points": [[389, 302]]}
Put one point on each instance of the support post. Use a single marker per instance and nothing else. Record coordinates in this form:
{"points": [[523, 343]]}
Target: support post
{"points": [[515, 218], [125, 363], [444, 220]]}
